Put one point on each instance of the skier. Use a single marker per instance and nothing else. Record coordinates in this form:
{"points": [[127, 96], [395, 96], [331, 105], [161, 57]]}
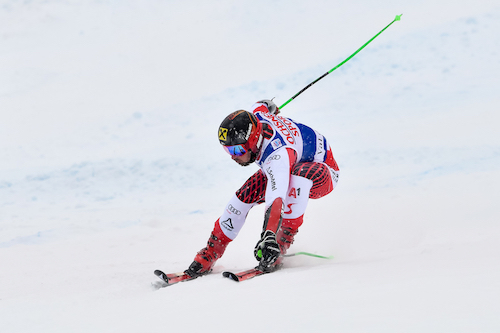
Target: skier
{"points": [[296, 163]]}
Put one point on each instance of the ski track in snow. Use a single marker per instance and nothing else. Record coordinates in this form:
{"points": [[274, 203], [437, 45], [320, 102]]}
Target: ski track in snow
{"points": [[110, 166]]}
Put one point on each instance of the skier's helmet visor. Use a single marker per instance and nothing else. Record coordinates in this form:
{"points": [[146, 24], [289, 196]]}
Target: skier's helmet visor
{"points": [[237, 150]]}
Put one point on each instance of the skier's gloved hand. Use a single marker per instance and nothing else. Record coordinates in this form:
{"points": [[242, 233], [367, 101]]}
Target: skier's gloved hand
{"points": [[273, 109], [267, 250]]}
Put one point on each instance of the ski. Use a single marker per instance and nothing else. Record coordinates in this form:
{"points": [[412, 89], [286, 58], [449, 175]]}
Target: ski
{"points": [[170, 279], [249, 273], [242, 276], [173, 278], [256, 271]]}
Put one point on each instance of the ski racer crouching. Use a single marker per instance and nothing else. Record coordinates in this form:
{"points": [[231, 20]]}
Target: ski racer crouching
{"points": [[296, 163]]}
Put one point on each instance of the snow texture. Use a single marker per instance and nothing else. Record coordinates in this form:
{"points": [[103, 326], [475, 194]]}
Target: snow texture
{"points": [[110, 165]]}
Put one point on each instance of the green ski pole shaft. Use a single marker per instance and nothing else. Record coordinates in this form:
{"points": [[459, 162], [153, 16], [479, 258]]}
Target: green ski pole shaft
{"points": [[398, 17], [307, 254]]}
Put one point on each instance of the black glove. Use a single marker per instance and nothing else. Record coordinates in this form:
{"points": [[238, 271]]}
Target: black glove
{"points": [[267, 250], [273, 109]]}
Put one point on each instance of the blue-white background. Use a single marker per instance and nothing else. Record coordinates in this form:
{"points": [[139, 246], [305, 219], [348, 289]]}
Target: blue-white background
{"points": [[110, 165]]}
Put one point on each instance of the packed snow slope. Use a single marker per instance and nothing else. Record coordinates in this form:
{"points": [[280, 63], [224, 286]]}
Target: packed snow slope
{"points": [[110, 165]]}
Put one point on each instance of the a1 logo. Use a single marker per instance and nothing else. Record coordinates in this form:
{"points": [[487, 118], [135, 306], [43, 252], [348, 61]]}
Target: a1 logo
{"points": [[294, 192]]}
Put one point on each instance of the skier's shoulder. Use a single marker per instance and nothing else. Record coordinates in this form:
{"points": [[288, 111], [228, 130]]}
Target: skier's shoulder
{"points": [[276, 156]]}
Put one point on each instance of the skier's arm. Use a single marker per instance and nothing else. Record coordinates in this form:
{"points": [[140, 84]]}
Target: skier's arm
{"points": [[265, 105], [277, 169]]}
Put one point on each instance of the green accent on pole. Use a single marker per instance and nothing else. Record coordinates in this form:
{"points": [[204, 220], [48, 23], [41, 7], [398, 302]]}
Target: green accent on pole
{"points": [[398, 17], [307, 254]]}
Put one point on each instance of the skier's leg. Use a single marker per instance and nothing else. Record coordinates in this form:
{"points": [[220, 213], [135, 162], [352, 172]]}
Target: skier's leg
{"points": [[287, 232], [324, 177], [205, 259], [295, 207], [229, 224], [233, 218], [308, 180], [254, 189]]}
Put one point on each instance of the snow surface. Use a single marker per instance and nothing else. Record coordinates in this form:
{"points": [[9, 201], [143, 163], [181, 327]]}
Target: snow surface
{"points": [[110, 166]]}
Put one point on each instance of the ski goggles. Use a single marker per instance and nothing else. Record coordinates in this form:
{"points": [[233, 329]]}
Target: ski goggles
{"points": [[237, 150]]}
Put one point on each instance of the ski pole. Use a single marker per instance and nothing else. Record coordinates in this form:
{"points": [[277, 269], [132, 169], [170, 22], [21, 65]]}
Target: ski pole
{"points": [[398, 17], [307, 254]]}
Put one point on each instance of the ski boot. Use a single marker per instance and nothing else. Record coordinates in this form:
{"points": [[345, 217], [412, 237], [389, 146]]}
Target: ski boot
{"points": [[205, 259]]}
